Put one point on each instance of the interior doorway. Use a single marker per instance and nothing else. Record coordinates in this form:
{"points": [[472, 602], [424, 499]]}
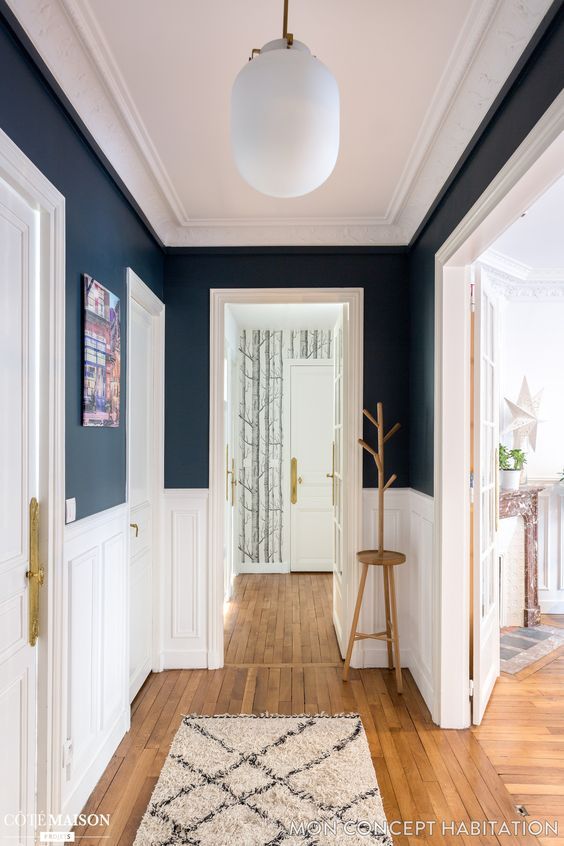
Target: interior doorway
{"points": [[145, 460], [289, 498], [467, 645], [32, 293]]}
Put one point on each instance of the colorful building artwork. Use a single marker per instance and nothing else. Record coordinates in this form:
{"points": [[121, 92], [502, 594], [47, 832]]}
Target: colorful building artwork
{"points": [[102, 355]]}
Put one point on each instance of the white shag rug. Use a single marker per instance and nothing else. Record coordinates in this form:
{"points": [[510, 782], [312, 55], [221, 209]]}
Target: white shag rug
{"points": [[266, 781]]}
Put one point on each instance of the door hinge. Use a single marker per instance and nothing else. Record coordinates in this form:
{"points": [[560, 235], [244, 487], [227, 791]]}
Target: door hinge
{"points": [[472, 297], [471, 688], [472, 487], [67, 752]]}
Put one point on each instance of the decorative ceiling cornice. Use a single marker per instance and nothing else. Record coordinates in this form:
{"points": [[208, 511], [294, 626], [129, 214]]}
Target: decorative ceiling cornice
{"points": [[535, 287], [74, 49]]}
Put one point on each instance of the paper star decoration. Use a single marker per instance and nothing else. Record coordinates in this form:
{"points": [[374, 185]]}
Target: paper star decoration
{"points": [[525, 416]]}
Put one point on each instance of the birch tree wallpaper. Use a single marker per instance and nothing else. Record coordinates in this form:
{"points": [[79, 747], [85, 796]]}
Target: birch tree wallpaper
{"points": [[261, 434]]}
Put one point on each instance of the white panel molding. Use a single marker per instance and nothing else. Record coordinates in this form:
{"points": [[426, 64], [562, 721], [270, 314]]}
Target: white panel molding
{"points": [[410, 519], [551, 550], [95, 712], [184, 608], [69, 40], [409, 529]]}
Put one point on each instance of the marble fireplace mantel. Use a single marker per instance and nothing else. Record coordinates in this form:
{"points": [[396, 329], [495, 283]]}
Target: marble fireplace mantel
{"points": [[524, 503]]}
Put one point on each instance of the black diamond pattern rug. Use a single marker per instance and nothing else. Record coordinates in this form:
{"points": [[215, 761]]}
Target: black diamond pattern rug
{"points": [[266, 781]]}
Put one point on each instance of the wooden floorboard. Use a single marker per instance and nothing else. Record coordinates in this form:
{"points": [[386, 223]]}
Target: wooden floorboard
{"points": [[281, 656]]}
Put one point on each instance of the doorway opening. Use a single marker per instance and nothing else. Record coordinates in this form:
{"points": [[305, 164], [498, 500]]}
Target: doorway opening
{"points": [[466, 455], [522, 275], [283, 453], [286, 487]]}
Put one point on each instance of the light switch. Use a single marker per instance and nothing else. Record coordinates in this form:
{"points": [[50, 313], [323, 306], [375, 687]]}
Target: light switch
{"points": [[70, 510]]}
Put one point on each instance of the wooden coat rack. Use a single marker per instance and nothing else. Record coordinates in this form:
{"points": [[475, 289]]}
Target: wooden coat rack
{"points": [[379, 557]]}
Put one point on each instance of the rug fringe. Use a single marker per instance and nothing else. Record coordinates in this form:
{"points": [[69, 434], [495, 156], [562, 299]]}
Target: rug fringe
{"points": [[268, 715]]}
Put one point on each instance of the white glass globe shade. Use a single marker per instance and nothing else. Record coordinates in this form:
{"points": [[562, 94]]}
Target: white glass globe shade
{"points": [[285, 121]]}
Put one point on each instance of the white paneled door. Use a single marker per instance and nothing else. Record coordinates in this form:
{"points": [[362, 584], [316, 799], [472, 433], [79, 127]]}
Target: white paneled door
{"points": [[486, 436], [311, 448], [338, 475], [143, 451], [19, 482]]}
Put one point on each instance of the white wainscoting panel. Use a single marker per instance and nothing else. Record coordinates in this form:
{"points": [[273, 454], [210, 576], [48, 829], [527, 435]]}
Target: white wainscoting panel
{"points": [[409, 529], [184, 612], [409, 518], [95, 676], [551, 550]]}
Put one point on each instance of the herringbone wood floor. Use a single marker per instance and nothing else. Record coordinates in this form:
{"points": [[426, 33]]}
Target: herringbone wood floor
{"points": [[281, 657]]}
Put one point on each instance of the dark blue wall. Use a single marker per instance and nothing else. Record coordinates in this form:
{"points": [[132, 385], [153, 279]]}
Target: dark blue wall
{"points": [[531, 90], [189, 275], [104, 235]]}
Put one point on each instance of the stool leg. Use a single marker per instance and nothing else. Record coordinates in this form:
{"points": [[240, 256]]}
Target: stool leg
{"points": [[354, 623], [388, 618], [399, 682]]}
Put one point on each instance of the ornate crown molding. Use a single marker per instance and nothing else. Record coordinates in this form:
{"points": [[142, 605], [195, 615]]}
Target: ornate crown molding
{"points": [[512, 287], [69, 40]]}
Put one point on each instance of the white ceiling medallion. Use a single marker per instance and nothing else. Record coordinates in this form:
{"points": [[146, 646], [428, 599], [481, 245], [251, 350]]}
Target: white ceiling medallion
{"points": [[285, 119], [70, 41]]}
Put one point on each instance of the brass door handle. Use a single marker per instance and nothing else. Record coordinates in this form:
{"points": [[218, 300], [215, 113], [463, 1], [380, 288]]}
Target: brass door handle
{"points": [[233, 481], [294, 481], [35, 574], [136, 527]]}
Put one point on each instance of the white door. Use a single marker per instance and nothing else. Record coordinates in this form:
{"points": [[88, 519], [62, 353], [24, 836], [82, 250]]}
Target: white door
{"points": [[19, 482], [486, 437], [311, 446], [229, 382], [141, 486], [338, 480]]}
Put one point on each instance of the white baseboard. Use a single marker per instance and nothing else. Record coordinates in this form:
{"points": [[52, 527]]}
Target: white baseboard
{"points": [[282, 567], [549, 606], [76, 800], [185, 659]]}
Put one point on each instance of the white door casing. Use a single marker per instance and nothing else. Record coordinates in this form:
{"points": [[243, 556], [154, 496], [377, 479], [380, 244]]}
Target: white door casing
{"points": [[352, 299], [19, 481], [145, 483], [486, 616], [535, 165], [311, 438], [231, 470]]}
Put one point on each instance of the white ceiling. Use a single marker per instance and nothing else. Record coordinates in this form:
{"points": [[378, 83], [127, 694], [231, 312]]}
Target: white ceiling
{"points": [[287, 316], [536, 240], [152, 82]]}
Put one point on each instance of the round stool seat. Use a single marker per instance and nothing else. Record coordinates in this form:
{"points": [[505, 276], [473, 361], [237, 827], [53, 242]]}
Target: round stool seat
{"points": [[387, 558]]}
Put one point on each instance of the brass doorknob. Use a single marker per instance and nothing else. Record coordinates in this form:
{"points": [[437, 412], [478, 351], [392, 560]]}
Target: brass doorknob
{"points": [[300, 480], [136, 527]]}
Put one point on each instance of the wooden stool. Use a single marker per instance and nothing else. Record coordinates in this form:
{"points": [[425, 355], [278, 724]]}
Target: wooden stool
{"points": [[387, 560]]}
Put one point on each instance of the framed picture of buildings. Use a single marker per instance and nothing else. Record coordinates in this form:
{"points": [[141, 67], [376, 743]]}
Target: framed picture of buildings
{"points": [[102, 355]]}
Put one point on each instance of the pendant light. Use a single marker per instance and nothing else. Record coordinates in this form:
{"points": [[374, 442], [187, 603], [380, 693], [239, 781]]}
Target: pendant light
{"points": [[285, 118]]}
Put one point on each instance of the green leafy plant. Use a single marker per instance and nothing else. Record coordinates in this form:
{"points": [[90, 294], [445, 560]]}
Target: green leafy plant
{"points": [[505, 458], [519, 458], [512, 459]]}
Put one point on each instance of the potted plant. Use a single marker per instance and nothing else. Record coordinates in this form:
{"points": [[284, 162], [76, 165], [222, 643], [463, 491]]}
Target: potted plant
{"points": [[511, 462]]}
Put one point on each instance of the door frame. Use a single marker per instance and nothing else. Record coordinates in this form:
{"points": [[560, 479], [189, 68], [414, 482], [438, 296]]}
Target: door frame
{"points": [[534, 166], [28, 181], [219, 298], [140, 292]]}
